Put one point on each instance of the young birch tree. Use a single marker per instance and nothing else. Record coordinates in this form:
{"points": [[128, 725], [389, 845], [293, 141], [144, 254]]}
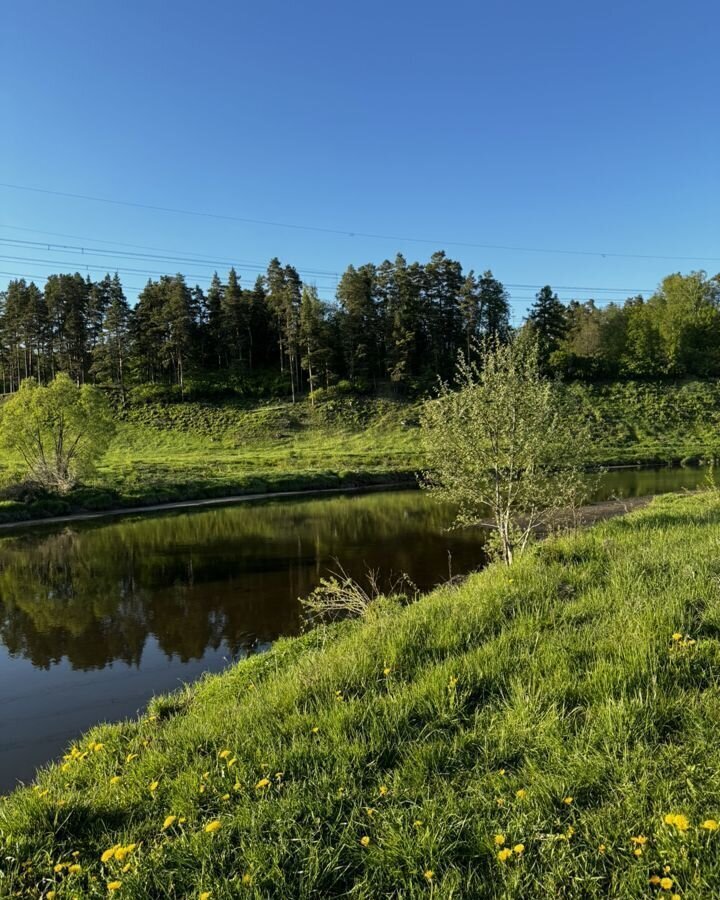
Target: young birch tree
{"points": [[56, 433], [502, 446]]}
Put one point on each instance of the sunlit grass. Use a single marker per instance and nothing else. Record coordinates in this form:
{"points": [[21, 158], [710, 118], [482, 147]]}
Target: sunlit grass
{"points": [[544, 731]]}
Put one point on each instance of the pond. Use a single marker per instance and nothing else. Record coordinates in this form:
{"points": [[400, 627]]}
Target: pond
{"points": [[97, 617]]}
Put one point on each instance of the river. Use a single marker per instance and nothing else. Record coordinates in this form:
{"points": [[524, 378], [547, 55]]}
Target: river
{"points": [[96, 617]]}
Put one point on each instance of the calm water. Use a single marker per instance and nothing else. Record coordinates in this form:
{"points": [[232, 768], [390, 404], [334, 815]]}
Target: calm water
{"points": [[96, 618]]}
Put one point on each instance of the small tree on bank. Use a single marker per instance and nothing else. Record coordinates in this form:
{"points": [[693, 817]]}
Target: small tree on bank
{"points": [[502, 447], [59, 431]]}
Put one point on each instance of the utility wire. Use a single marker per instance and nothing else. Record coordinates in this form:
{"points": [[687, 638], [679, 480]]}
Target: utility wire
{"points": [[353, 234]]}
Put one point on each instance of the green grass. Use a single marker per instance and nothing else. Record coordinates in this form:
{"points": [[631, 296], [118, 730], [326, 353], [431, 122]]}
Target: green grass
{"points": [[167, 452], [416, 728]]}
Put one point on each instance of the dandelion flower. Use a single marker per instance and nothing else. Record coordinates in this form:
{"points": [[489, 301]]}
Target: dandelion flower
{"points": [[568, 800], [126, 868], [429, 874], [666, 883], [115, 779], [499, 840], [678, 820], [130, 757], [205, 895], [519, 849], [383, 790], [75, 869], [505, 854], [417, 823], [501, 771], [453, 681], [677, 636], [226, 796], [169, 820], [602, 848], [114, 885], [710, 825], [154, 785], [370, 811], [108, 854], [638, 851], [58, 868], [314, 730], [521, 794], [365, 840], [263, 783], [386, 671], [639, 841], [51, 895], [247, 878], [213, 826], [231, 762], [224, 754], [654, 879]]}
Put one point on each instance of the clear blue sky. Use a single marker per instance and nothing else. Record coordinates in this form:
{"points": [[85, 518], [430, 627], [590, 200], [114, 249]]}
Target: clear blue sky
{"points": [[561, 125]]}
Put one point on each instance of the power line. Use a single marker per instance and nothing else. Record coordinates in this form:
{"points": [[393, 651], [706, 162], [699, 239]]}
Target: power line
{"points": [[347, 233]]}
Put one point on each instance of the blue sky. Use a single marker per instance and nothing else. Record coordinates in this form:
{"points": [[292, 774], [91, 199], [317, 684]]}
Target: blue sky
{"points": [[561, 126]]}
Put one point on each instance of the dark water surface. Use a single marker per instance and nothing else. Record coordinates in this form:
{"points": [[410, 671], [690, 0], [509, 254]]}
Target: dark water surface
{"points": [[95, 618]]}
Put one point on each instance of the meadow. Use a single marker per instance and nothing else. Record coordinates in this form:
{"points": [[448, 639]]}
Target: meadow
{"points": [[544, 730], [173, 451]]}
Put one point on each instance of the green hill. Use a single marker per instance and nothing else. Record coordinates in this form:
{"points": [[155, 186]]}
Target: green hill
{"points": [[548, 730]]}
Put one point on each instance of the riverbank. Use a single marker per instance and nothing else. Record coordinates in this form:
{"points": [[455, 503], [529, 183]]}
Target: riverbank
{"points": [[550, 710], [178, 452]]}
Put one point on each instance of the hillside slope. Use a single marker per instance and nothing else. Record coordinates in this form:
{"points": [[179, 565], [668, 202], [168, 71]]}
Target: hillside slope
{"points": [[565, 711]]}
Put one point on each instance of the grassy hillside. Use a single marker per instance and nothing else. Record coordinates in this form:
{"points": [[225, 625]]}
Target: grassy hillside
{"points": [[545, 731], [177, 451]]}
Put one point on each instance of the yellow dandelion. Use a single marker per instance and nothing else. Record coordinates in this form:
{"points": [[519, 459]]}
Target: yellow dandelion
{"points": [[224, 754], [231, 762], [666, 883], [677, 636], [202, 788], [247, 878], [500, 801], [639, 841], [710, 825], [169, 820], [568, 800], [115, 779], [453, 681], [109, 853], [314, 730], [499, 840], [521, 794], [666, 870], [263, 783], [154, 785], [226, 796], [428, 874], [675, 897], [58, 868], [75, 869], [126, 868], [501, 771], [678, 820], [519, 849], [213, 826], [638, 851], [114, 885], [387, 670], [51, 895], [383, 790], [205, 895], [370, 811], [130, 757], [654, 879], [505, 854], [365, 840], [602, 848], [417, 823]]}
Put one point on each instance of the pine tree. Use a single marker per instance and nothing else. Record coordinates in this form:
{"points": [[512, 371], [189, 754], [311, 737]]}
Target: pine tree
{"points": [[548, 320]]}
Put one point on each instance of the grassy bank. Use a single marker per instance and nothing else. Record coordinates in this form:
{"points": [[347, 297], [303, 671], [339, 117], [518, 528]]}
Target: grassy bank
{"points": [[547, 711], [165, 452]]}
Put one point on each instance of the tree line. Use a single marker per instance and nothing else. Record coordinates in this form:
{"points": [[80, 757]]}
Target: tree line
{"points": [[399, 322]]}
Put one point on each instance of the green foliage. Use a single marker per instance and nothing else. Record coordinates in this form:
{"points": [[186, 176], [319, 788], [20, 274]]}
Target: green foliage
{"points": [[549, 705], [58, 432], [504, 446]]}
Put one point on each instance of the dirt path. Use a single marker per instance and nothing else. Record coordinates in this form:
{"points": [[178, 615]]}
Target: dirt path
{"points": [[190, 504], [587, 515]]}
